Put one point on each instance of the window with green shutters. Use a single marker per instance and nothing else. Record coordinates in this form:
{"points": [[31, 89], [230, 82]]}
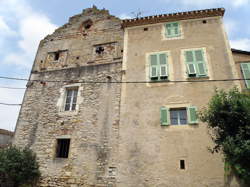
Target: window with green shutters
{"points": [[164, 116], [192, 115], [245, 68], [158, 67], [178, 116], [172, 30], [195, 62]]}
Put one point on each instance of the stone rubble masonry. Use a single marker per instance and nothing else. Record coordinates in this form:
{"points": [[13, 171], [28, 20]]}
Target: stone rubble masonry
{"points": [[93, 128]]}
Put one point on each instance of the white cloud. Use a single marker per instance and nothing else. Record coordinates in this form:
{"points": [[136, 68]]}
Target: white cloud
{"points": [[243, 44], [238, 3], [5, 30], [124, 16], [32, 26], [21, 29], [9, 114], [231, 27], [199, 3], [41, 26]]}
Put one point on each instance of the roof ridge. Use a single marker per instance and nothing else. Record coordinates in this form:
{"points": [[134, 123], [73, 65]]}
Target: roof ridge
{"points": [[178, 15]]}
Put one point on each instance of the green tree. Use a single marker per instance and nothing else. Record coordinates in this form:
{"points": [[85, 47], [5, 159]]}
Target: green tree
{"points": [[18, 166], [228, 118]]}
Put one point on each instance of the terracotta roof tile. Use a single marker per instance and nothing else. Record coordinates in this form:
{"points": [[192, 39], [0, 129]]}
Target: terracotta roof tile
{"points": [[173, 17]]}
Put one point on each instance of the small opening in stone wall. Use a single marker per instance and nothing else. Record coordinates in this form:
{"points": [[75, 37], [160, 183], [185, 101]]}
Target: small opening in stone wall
{"points": [[51, 39], [77, 57], [62, 150], [145, 29], [99, 50], [122, 50], [41, 61], [87, 24], [57, 55], [112, 171], [204, 21], [182, 164]]}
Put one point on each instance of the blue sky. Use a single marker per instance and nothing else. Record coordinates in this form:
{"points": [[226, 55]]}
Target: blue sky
{"points": [[23, 23]]}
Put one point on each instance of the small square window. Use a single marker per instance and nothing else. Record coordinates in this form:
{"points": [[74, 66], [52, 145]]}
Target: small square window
{"points": [[172, 30], [178, 116], [112, 171], [62, 150], [71, 99]]}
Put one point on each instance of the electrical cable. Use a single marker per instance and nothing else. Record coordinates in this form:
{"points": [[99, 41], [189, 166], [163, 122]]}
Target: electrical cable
{"points": [[121, 82], [9, 104]]}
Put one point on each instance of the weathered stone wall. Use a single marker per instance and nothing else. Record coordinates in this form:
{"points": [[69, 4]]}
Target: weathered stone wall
{"points": [[77, 44], [93, 130], [5, 138], [149, 153], [68, 58]]}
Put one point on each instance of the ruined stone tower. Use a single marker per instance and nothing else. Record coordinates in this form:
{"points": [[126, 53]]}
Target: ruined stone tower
{"points": [[70, 117]]}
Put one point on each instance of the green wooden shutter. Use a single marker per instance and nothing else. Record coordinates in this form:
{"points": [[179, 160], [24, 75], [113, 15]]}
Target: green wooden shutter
{"points": [[168, 30], [164, 116], [200, 62], [245, 68], [176, 28], [153, 66], [172, 30], [190, 62], [192, 115], [163, 68]]}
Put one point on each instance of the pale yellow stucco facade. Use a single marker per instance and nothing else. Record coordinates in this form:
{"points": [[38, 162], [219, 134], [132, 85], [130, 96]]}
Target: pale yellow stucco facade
{"points": [[149, 153]]}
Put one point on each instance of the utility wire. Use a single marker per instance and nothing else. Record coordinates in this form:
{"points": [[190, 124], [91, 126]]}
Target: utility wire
{"points": [[120, 82], [8, 104], [14, 88]]}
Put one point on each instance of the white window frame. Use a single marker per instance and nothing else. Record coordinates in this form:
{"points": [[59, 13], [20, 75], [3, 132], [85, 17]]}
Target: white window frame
{"points": [[62, 99]]}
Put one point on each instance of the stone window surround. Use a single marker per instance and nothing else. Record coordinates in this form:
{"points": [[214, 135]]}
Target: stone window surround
{"points": [[62, 99], [207, 63], [163, 31], [169, 64], [177, 106]]}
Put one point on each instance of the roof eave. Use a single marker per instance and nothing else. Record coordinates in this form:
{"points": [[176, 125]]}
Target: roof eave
{"points": [[173, 17]]}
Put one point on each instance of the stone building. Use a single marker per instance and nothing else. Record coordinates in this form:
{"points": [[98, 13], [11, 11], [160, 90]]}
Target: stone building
{"points": [[113, 103], [5, 138], [71, 117]]}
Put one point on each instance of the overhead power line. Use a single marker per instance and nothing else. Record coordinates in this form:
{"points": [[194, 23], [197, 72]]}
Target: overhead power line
{"points": [[119, 82], [9, 104], [14, 88]]}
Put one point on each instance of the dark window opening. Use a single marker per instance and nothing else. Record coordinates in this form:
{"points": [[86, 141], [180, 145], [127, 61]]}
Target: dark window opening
{"points": [[57, 56], [192, 75], [99, 50], [182, 164], [77, 57], [62, 150], [122, 51], [164, 77], [87, 24], [41, 61], [154, 78], [204, 21], [145, 29], [178, 116]]}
